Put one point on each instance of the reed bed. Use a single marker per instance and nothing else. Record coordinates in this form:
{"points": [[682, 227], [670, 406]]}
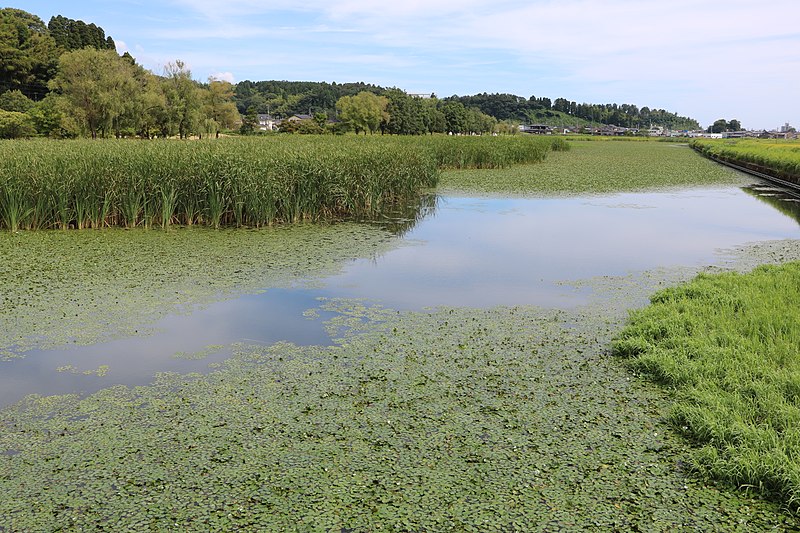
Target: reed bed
{"points": [[230, 182], [775, 157]]}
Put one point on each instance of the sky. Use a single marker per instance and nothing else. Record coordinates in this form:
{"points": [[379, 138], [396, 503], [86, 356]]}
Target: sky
{"points": [[705, 59]]}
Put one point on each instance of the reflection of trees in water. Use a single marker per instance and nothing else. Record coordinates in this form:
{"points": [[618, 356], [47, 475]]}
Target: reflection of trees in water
{"points": [[403, 218], [783, 201]]}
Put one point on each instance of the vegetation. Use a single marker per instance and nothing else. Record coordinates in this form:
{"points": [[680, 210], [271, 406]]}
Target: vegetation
{"points": [[456, 419], [721, 125], [128, 280], [727, 346], [237, 181], [70, 34], [777, 158], [286, 98], [596, 168], [539, 110]]}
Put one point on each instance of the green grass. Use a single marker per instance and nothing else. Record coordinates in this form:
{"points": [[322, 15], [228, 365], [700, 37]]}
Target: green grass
{"points": [[233, 182], [596, 168], [728, 346], [776, 157]]}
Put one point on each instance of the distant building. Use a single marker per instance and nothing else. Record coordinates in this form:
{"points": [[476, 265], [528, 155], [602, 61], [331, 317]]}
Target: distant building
{"points": [[267, 122], [536, 129]]}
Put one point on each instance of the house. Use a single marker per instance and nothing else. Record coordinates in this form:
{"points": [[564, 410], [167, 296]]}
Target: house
{"points": [[267, 122], [536, 129], [298, 118]]}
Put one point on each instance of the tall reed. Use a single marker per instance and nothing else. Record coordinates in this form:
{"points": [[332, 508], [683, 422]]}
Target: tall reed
{"points": [[231, 182]]}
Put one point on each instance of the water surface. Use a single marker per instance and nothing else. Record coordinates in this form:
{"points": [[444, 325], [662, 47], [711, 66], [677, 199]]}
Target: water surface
{"points": [[477, 252]]}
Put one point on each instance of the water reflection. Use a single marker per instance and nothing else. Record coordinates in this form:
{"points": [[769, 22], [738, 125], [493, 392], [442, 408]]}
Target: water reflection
{"points": [[784, 201], [474, 252], [484, 251], [266, 318]]}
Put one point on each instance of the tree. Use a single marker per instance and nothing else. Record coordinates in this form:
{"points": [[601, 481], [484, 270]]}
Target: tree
{"points": [[98, 84], [406, 114], [15, 101], [51, 118], [72, 34], [183, 100], [455, 116], [28, 53], [434, 118], [363, 112], [734, 125], [14, 125], [219, 105], [719, 126]]}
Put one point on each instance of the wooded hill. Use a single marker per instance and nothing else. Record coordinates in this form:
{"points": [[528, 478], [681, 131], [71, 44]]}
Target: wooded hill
{"points": [[287, 98]]}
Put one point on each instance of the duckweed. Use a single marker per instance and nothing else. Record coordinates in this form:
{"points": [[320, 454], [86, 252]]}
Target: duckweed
{"points": [[508, 419], [85, 287], [596, 168]]}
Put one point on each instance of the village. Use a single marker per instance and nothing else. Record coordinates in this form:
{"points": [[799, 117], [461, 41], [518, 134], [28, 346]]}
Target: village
{"points": [[784, 132]]}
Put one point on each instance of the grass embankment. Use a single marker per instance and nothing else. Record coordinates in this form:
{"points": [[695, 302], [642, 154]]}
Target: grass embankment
{"points": [[728, 346], [596, 168], [776, 158], [231, 182]]}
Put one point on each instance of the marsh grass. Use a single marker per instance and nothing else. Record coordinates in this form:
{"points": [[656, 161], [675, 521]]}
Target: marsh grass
{"points": [[233, 182], [776, 157], [728, 345]]}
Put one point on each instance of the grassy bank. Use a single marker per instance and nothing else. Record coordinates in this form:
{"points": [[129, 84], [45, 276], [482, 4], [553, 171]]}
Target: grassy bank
{"points": [[727, 347], [778, 158], [596, 168], [232, 182]]}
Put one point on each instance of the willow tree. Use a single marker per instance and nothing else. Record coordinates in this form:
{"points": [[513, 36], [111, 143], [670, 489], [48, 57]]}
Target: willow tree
{"points": [[364, 111], [98, 85]]}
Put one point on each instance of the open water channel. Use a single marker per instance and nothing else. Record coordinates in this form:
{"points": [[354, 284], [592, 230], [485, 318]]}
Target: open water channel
{"points": [[464, 251]]}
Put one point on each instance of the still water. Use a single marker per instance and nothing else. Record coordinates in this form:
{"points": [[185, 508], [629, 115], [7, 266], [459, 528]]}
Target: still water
{"points": [[476, 252]]}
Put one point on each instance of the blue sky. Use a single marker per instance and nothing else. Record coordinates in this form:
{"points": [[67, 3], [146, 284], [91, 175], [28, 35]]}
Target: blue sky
{"points": [[699, 58]]}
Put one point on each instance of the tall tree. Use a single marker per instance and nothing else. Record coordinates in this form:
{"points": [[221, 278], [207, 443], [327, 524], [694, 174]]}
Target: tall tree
{"points": [[406, 114], [97, 84], [718, 126], [72, 34], [28, 56], [183, 99], [363, 112], [219, 106], [455, 116]]}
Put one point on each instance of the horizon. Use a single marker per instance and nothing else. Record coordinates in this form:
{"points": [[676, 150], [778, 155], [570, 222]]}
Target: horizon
{"points": [[625, 52]]}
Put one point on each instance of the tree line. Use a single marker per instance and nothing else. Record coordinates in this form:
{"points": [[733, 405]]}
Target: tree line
{"points": [[287, 98], [65, 79]]}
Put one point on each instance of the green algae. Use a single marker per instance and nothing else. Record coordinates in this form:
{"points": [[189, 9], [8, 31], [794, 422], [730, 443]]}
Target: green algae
{"points": [[62, 288], [596, 168], [452, 419]]}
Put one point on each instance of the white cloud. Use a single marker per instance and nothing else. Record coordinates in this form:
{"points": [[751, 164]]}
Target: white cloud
{"points": [[223, 76], [647, 52]]}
